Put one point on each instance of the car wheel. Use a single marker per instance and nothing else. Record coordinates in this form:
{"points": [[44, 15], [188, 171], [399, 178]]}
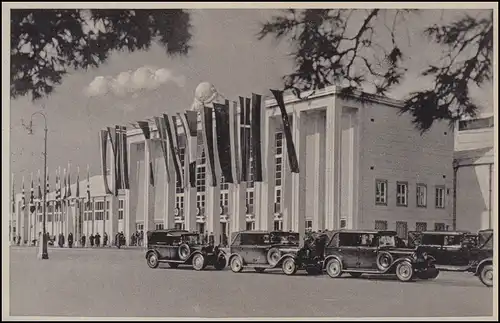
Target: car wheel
{"points": [[289, 267], [404, 271], [236, 264], [334, 268], [220, 263], [173, 265], [384, 260], [273, 256], [184, 252], [152, 260], [198, 262], [486, 275], [260, 270], [356, 275]]}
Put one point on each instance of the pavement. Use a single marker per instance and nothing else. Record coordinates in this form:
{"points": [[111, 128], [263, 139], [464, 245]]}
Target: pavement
{"points": [[108, 282]]}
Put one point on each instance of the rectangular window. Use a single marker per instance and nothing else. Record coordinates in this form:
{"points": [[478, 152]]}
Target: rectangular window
{"points": [[278, 196], [249, 197], [179, 202], [278, 171], [251, 182], [250, 226], [380, 225], [99, 210], [159, 226], [278, 136], [139, 226], [440, 192], [200, 202], [421, 195], [402, 229], [200, 179], [439, 227], [402, 194], [380, 192], [120, 209], [420, 226], [343, 223], [224, 199], [480, 123], [278, 225], [309, 225]]}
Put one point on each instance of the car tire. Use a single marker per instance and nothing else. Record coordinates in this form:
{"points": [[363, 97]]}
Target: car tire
{"points": [[384, 260], [356, 275], [173, 265], [220, 263], [260, 270], [236, 264], [198, 262], [486, 275], [404, 271], [152, 260], [334, 268], [273, 256], [289, 266], [184, 252]]}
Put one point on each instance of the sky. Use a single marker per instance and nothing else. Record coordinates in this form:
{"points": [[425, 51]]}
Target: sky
{"points": [[225, 52]]}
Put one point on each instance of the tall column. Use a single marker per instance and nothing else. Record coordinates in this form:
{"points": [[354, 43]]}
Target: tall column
{"points": [[149, 192], [299, 180], [238, 206], [190, 205], [169, 196], [131, 195], [269, 165], [93, 216], [212, 210], [332, 161]]}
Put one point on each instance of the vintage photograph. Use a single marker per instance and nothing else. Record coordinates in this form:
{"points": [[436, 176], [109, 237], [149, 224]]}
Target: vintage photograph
{"points": [[249, 160]]}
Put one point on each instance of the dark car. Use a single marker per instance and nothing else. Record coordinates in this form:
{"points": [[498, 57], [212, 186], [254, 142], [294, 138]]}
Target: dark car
{"points": [[181, 247], [261, 250], [459, 251], [360, 252]]}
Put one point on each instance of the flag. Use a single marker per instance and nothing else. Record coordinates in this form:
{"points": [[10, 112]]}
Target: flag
{"points": [[171, 132], [32, 196], [58, 190], [234, 142], [88, 186], [208, 141], [124, 153], [23, 205], [65, 195], [78, 183], [245, 137], [40, 196], [118, 176], [290, 147], [47, 189], [222, 128], [256, 126], [103, 144], [144, 125], [163, 143], [114, 148], [189, 121], [69, 182]]}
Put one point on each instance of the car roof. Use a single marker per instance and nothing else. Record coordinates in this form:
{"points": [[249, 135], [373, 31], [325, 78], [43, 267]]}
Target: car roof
{"points": [[446, 233], [264, 232], [359, 231]]}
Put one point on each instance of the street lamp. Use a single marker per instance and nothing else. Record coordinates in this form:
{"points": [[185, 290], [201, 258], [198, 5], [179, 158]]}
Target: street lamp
{"points": [[43, 250]]}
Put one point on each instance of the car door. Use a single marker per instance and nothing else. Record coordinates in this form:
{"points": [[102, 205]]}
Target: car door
{"points": [[432, 244], [347, 248], [454, 254], [367, 254], [240, 245]]}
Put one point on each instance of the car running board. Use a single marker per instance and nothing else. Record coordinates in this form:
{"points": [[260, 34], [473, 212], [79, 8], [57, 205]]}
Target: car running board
{"points": [[173, 261], [365, 271], [453, 268]]}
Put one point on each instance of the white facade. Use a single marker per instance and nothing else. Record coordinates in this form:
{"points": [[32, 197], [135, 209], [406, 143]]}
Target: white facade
{"points": [[475, 174], [345, 150]]}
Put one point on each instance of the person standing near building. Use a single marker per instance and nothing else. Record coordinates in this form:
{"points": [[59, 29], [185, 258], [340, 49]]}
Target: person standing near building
{"points": [[97, 239], [82, 240], [105, 239], [91, 240], [70, 240]]}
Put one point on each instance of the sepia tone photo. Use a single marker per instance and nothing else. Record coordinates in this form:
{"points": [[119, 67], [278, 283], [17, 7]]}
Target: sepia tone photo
{"points": [[249, 161]]}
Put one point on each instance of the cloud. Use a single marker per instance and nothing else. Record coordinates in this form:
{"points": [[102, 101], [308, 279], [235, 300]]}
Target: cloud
{"points": [[133, 82]]}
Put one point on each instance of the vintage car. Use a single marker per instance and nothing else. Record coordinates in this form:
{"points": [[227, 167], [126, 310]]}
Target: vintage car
{"points": [[458, 251], [261, 250], [360, 252], [181, 247]]}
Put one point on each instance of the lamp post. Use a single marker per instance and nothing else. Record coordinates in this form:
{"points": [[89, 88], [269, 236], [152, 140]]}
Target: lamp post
{"points": [[43, 250]]}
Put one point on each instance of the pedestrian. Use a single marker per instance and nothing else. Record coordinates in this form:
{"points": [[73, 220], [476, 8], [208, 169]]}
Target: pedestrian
{"points": [[60, 240], [105, 240], [18, 240], [83, 240], [141, 238], [70, 240], [211, 239], [97, 239], [122, 239], [91, 240], [205, 237], [133, 240]]}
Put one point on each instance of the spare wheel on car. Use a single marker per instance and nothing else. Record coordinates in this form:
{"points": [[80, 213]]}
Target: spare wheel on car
{"points": [[273, 255]]}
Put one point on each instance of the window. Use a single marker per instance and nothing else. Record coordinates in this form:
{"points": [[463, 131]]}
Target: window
{"points": [[421, 226], [278, 171], [380, 192], [249, 197], [402, 194], [159, 226], [179, 202], [439, 227], [343, 223], [278, 137], [120, 209], [348, 239], [251, 182], [107, 210], [402, 229], [380, 225], [278, 196], [200, 202], [421, 195], [224, 186], [99, 210], [251, 225], [440, 197], [224, 199], [278, 225], [479, 123], [200, 179], [139, 226], [309, 225]]}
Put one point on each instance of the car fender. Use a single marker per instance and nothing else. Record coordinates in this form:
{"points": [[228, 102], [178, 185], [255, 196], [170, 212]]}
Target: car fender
{"points": [[487, 261], [233, 255], [152, 251], [194, 253], [283, 258], [398, 261], [339, 258]]}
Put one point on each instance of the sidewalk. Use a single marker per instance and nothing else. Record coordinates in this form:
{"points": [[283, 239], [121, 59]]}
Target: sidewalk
{"points": [[79, 248]]}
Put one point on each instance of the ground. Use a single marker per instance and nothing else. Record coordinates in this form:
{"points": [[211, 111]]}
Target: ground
{"points": [[112, 282]]}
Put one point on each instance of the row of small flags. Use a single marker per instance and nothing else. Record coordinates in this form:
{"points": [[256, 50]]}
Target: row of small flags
{"points": [[60, 198], [234, 154]]}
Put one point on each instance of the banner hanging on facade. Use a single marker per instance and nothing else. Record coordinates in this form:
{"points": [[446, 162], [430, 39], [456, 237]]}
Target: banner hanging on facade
{"points": [[144, 125], [189, 121], [208, 141], [256, 137], [170, 128], [103, 140], [163, 144], [222, 127]]}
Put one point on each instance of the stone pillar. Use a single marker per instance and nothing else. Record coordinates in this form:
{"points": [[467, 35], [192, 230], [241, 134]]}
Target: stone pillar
{"points": [[190, 206], [212, 210], [332, 169], [170, 188], [149, 192], [299, 180], [94, 231], [131, 195], [269, 164], [238, 206]]}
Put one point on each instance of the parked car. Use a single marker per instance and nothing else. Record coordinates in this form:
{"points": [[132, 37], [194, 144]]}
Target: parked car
{"points": [[359, 252], [261, 250], [181, 247], [459, 251]]}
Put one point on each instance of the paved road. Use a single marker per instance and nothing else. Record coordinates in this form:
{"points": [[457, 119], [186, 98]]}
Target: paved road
{"points": [[111, 282]]}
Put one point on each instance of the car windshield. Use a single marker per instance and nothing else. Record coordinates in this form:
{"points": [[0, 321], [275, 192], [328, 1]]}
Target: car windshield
{"points": [[284, 238], [452, 240], [485, 240], [387, 241], [191, 238]]}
